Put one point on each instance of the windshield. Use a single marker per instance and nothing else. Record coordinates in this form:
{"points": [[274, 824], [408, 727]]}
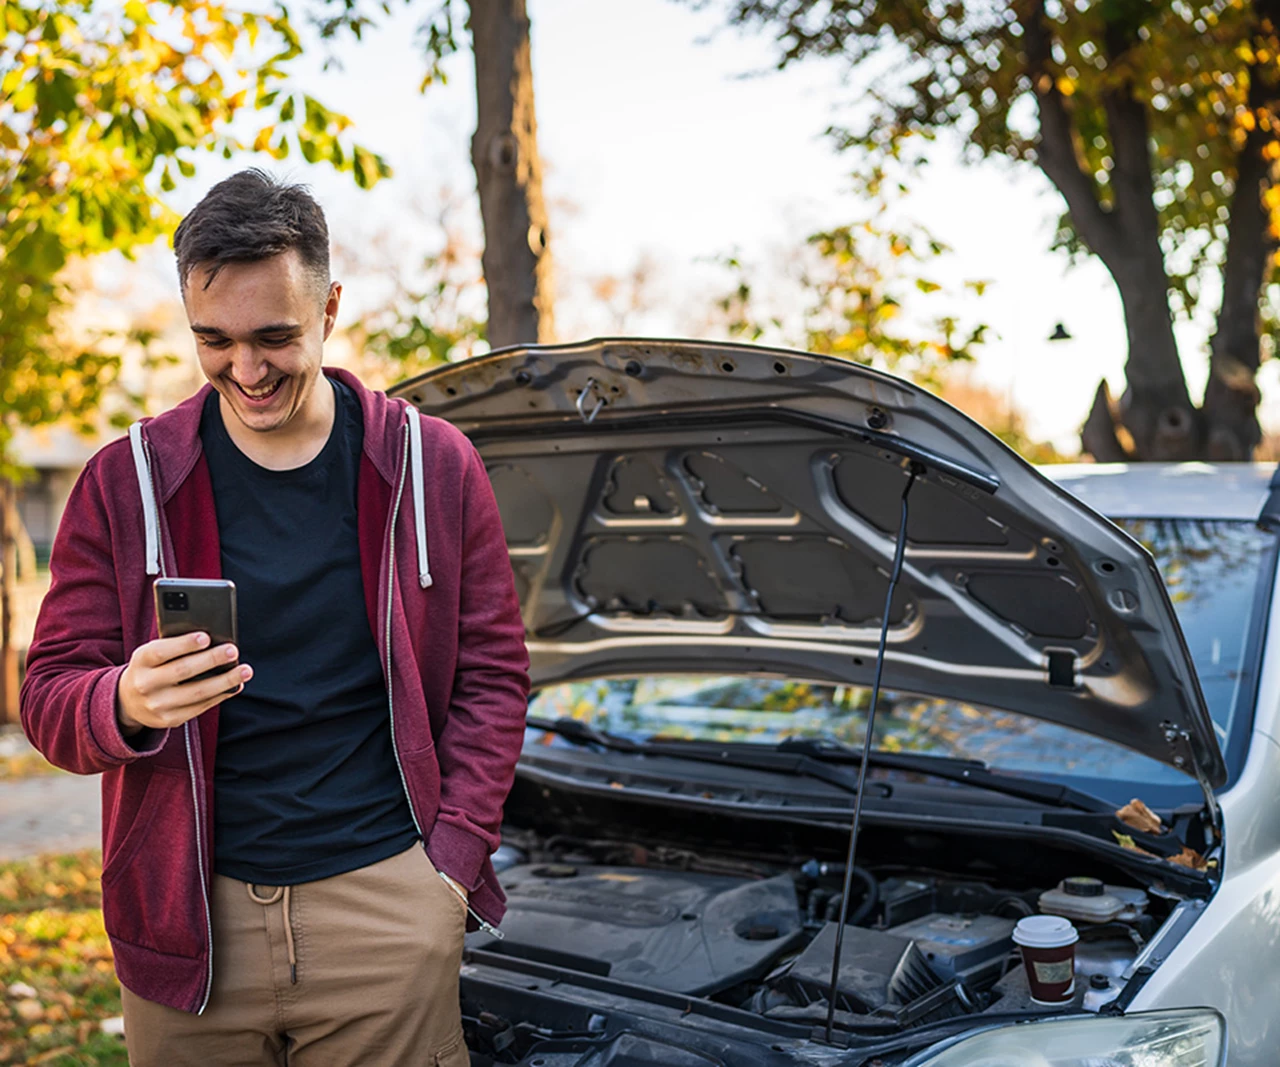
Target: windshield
{"points": [[1214, 570]]}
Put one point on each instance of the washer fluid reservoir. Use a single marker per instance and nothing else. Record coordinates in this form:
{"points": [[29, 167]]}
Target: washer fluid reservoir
{"points": [[1089, 900]]}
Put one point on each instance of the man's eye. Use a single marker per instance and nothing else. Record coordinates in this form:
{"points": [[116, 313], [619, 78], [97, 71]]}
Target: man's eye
{"points": [[214, 342], [276, 342]]}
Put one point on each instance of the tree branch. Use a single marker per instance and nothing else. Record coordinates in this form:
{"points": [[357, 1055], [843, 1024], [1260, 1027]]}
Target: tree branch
{"points": [[1131, 174], [1056, 152]]}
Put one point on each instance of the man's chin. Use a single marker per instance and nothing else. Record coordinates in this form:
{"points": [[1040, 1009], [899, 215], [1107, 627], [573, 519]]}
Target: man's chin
{"points": [[259, 418]]}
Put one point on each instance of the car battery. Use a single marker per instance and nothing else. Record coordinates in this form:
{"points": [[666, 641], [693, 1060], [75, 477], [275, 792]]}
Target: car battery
{"points": [[971, 947], [905, 899]]}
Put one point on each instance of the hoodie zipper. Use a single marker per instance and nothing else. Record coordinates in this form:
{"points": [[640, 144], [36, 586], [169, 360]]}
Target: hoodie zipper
{"points": [[485, 925], [204, 893], [191, 762]]}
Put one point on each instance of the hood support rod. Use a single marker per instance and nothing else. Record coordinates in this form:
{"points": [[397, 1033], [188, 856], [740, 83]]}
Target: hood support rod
{"points": [[915, 470]]}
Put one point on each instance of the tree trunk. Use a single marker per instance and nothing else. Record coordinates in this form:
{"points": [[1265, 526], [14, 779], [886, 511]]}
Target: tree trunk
{"points": [[1155, 409], [8, 580], [504, 152], [1231, 395], [1158, 418]]}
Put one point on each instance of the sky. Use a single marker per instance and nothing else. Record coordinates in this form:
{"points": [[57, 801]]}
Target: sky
{"points": [[668, 139]]}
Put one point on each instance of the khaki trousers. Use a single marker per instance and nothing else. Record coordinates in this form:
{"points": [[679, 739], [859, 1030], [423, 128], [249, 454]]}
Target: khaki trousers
{"points": [[375, 953]]}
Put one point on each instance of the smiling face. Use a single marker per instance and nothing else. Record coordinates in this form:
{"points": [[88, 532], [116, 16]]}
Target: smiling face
{"points": [[260, 329]]}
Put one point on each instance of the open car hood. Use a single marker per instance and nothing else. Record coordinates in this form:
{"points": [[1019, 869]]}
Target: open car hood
{"points": [[675, 506]]}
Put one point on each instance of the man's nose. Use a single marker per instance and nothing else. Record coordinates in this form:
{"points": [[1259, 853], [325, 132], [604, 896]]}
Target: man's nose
{"points": [[247, 367]]}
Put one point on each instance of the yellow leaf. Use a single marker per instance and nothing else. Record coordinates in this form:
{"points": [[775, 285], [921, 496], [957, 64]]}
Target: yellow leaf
{"points": [[1066, 86], [1247, 120]]}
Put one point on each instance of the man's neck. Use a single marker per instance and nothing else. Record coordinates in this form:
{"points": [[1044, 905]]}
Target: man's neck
{"points": [[294, 445]]}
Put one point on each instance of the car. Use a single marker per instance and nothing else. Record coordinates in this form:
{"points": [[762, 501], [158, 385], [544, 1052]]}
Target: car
{"points": [[1077, 714]]}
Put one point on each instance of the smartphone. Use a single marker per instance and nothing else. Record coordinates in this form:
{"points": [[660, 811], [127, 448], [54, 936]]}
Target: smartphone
{"points": [[207, 605]]}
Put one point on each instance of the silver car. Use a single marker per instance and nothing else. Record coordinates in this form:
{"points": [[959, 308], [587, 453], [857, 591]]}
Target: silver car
{"points": [[1076, 716]]}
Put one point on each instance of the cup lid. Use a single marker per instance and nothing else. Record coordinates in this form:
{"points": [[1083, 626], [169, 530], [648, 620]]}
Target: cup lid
{"points": [[1045, 931]]}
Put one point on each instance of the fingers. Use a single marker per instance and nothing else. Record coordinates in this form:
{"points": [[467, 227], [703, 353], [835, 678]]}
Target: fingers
{"points": [[205, 694], [164, 649], [162, 687], [184, 668], [173, 705]]}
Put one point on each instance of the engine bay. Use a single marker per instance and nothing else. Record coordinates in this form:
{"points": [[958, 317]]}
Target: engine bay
{"points": [[920, 944]]}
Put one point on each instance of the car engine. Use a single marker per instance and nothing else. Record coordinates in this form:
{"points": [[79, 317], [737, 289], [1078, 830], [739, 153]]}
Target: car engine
{"points": [[918, 946]]}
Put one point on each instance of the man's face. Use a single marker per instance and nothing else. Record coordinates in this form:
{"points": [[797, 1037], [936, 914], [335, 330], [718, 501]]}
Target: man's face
{"points": [[260, 330]]}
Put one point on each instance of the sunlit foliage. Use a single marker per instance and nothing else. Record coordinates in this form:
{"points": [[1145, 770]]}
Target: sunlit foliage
{"points": [[102, 107]]}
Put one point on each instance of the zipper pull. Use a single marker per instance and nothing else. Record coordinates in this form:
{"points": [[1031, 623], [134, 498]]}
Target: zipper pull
{"points": [[487, 927]]}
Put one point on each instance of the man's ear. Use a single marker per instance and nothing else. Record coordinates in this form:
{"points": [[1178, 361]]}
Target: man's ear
{"points": [[331, 307]]}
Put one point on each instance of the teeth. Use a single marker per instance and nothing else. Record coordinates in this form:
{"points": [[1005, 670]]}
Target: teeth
{"points": [[258, 394]]}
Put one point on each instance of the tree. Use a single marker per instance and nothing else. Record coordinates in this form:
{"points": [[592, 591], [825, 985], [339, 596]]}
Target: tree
{"points": [[432, 315], [1156, 120], [847, 294], [504, 150], [99, 106]]}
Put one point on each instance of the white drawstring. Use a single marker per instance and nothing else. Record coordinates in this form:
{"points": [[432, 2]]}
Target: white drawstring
{"points": [[419, 496], [150, 513]]}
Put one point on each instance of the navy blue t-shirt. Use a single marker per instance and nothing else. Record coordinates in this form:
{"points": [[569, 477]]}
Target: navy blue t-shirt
{"points": [[306, 784]]}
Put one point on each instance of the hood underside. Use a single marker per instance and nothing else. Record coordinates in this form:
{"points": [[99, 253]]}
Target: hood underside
{"points": [[679, 507]]}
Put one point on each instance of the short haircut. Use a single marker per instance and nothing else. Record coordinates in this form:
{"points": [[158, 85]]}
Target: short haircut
{"points": [[249, 217]]}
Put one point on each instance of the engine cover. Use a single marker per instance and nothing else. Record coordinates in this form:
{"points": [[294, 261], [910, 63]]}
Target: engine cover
{"points": [[679, 931]]}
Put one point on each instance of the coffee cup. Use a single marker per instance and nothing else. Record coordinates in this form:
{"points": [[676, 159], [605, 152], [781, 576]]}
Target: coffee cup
{"points": [[1048, 944]]}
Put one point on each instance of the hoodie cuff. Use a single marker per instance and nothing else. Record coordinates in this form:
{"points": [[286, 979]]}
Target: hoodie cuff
{"points": [[458, 853], [104, 726]]}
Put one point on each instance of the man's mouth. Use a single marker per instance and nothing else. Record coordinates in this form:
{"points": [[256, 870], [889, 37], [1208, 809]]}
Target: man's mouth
{"points": [[260, 392]]}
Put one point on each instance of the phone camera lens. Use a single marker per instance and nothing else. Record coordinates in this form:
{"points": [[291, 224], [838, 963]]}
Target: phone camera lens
{"points": [[175, 601]]}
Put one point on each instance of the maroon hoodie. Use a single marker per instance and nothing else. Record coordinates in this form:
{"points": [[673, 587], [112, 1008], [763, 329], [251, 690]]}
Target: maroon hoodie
{"points": [[451, 643]]}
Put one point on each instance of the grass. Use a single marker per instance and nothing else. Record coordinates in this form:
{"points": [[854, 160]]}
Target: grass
{"points": [[51, 938], [25, 765]]}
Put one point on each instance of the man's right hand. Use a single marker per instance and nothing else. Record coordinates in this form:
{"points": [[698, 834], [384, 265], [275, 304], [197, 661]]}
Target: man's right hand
{"points": [[151, 690]]}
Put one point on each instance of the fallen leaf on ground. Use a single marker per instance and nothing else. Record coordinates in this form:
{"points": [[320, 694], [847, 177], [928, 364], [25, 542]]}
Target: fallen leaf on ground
{"points": [[29, 1011]]}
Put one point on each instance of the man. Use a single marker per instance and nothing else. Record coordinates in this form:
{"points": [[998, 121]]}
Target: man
{"points": [[288, 848]]}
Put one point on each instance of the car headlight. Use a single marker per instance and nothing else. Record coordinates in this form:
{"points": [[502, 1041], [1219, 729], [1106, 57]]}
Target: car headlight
{"points": [[1180, 1038]]}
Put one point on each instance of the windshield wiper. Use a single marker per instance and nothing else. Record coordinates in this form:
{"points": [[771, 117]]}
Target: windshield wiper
{"points": [[951, 769], [798, 764], [814, 757]]}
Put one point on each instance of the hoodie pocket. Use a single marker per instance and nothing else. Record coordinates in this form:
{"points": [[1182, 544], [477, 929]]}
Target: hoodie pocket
{"points": [[422, 778], [151, 883]]}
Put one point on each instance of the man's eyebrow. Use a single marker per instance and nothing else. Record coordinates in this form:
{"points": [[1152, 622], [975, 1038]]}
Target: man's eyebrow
{"points": [[272, 328]]}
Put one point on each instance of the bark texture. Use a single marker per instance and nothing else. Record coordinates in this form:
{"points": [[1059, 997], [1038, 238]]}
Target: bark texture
{"points": [[504, 152], [1231, 396], [8, 579]]}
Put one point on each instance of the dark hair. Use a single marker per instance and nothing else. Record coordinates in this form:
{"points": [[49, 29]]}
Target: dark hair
{"points": [[252, 216]]}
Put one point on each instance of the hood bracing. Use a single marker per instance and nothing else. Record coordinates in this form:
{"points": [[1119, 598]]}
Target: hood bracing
{"points": [[677, 506]]}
